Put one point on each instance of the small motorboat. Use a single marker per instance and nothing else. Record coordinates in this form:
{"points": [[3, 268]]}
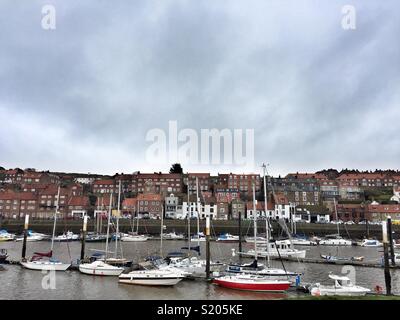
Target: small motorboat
{"points": [[335, 240], [227, 237], [68, 236], [252, 283], [371, 243], [33, 237], [344, 259], [152, 277], [96, 237], [133, 237], [303, 242], [173, 236], [5, 236], [100, 268], [342, 287], [198, 237], [3, 255]]}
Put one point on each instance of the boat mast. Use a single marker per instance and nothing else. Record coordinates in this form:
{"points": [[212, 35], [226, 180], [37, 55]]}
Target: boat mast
{"points": [[337, 219], [188, 213], [267, 230], [255, 222], [118, 211], [198, 211], [162, 230], [108, 223], [55, 218]]}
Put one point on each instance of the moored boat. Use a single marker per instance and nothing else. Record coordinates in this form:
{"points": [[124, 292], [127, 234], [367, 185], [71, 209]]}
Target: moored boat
{"points": [[5, 236], [227, 237], [335, 240], [277, 249], [198, 237], [151, 277], [173, 236], [68, 236], [344, 259], [259, 240], [371, 243], [100, 268], [133, 237], [33, 237], [342, 287], [252, 283], [43, 263]]}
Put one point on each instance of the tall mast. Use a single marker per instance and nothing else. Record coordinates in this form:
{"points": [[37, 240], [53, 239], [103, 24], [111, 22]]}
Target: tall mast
{"points": [[162, 230], [55, 218], [337, 219], [188, 213], [267, 230], [255, 221], [108, 223], [198, 211], [118, 209]]}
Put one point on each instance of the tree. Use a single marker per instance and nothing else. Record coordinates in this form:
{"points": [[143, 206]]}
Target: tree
{"points": [[176, 168]]}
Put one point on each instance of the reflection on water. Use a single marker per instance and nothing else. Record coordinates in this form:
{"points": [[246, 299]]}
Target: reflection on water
{"points": [[18, 283]]}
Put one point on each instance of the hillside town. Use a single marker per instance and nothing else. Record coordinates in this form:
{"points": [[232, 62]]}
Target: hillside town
{"points": [[305, 197]]}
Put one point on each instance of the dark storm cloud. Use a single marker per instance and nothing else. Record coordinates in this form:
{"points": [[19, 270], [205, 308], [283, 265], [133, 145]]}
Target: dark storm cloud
{"points": [[82, 97]]}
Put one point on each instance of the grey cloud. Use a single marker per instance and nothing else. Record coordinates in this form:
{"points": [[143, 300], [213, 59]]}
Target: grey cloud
{"points": [[113, 70]]}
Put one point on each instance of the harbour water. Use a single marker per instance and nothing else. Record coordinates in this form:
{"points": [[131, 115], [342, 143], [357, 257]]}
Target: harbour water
{"points": [[19, 283]]}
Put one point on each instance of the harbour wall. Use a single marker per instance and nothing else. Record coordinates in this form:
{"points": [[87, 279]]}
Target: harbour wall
{"points": [[180, 226]]}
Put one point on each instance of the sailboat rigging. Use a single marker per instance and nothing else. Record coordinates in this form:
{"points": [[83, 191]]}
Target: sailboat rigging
{"points": [[37, 262]]}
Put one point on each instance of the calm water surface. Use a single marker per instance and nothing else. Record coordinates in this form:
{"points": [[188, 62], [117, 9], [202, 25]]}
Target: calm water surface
{"points": [[19, 283]]}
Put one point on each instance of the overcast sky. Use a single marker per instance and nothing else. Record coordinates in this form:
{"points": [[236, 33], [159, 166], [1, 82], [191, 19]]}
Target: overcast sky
{"points": [[83, 97]]}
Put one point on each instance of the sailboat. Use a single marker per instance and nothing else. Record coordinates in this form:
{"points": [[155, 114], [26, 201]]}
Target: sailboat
{"points": [[154, 277], [39, 261], [255, 267], [335, 239], [100, 267], [252, 282], [134, 236]]}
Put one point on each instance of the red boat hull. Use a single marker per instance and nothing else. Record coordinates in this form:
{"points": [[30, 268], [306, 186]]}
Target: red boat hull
{"points": [[273, 287]]}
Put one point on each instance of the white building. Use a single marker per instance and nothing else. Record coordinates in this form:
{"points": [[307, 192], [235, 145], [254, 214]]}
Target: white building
{"points": [[173, 210], [205, 210], [396, 195]]}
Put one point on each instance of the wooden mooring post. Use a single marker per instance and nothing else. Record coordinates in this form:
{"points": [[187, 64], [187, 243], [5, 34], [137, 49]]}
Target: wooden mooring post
{"points": [[207, 247], [26, 225], [386, 258], [83, 237]]}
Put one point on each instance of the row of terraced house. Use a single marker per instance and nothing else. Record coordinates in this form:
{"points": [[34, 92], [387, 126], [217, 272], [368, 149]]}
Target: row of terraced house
{"points": [[301, 196]]}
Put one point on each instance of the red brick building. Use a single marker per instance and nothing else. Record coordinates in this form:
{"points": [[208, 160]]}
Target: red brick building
{"points": [[203, 179], [105, 186], [150, 205], [158, 183], [16, 205], [242, 182]]}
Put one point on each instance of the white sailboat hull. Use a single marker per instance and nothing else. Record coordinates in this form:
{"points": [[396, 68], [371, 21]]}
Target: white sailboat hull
{"points": [[151, 278], [100, 269], [134, 239], [274, 254], [45, 265], [335, 242]]}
